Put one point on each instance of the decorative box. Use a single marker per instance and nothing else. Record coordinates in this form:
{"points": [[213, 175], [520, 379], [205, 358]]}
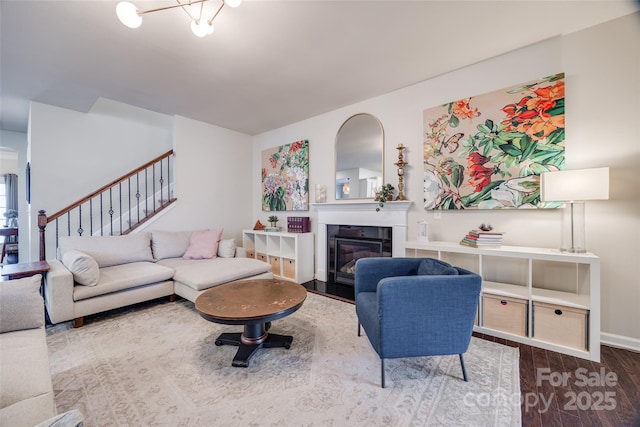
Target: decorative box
{"points": [[505, 314], [298, 224], [558, 324]]}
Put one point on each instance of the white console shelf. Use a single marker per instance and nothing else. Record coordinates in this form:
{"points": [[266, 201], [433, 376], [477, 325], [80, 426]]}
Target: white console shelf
{"points": [[290, 254], [536, 296]]}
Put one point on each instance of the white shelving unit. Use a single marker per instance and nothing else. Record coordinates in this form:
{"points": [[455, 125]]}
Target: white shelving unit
{"points": [[290, 254], [555, 294]]}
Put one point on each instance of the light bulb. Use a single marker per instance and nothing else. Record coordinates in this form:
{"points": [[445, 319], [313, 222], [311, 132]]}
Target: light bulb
{"points": [[201, 28], [128, 14], [233, 3]]}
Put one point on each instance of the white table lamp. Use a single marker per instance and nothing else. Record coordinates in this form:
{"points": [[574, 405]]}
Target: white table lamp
{"points": [[574, 187]]}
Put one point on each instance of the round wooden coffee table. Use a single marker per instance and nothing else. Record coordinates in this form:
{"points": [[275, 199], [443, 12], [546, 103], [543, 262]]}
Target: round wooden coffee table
{"points": [[254, 304]]}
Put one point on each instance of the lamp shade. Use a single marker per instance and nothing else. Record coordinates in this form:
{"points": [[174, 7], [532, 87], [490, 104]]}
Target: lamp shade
{"points": [[201, 28], [128, 14], [575, 185]]}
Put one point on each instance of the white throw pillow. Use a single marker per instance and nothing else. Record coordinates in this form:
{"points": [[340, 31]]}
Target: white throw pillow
{"points": [[227, 248], [83, 267]]}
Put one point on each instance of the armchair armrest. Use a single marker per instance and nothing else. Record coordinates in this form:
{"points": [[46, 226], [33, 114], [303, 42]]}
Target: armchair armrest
{"points": [[369, 271], [58, 292]]}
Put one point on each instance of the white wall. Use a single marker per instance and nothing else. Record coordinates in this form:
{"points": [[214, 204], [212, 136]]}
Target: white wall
{"points": [[73, 154], [213, 185], [602, 66]]}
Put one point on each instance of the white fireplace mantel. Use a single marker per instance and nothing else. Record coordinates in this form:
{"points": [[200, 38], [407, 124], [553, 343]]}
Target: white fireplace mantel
{"points": [[393, 214]]}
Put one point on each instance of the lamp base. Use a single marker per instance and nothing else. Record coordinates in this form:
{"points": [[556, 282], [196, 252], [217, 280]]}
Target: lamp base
{"points": [[573, 236], [573, 250]]}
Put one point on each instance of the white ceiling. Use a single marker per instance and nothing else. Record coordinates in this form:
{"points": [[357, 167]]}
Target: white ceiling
{"points": [[269, 63]]}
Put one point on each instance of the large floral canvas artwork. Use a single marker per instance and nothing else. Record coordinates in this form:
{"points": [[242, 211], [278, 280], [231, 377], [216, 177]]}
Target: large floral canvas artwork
{"points": [[285, 177], [488, 151]]}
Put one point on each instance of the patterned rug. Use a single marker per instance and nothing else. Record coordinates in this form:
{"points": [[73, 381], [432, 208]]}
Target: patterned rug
{"points": [[157, 365]]}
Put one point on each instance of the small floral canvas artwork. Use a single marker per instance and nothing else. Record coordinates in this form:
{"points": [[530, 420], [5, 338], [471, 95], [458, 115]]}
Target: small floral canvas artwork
{"points": [[285, 177], [488, 151]]}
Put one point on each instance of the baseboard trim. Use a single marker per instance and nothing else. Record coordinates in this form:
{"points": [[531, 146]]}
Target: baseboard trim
{"points": [[620, 341]]}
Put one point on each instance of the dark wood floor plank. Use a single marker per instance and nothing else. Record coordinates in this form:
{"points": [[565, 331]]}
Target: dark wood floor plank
{"points": [[629, 362], [547, 391], [589, 395], [528, 389], [620, 388], [560, 378]]}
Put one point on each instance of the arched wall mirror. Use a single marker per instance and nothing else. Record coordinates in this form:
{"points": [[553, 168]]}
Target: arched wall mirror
{"points": [[359, 157]]}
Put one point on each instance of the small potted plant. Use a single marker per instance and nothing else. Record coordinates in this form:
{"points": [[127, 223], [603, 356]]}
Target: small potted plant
{"points": [[11, 216], [273, 220], [385, 194]]}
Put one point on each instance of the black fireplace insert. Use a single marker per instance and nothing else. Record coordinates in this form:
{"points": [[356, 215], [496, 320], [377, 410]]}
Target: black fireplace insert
{"points": [[348, 243]]}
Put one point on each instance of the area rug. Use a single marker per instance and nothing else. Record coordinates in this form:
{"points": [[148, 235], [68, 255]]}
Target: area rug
{"points": [[157, 365]]}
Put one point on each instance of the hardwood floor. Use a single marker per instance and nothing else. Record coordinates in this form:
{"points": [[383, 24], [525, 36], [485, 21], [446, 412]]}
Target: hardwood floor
{"points": [[561, 390]]}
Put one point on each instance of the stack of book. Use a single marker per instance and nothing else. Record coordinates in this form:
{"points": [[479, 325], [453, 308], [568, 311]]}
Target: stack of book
{"points": [[482, 239]]}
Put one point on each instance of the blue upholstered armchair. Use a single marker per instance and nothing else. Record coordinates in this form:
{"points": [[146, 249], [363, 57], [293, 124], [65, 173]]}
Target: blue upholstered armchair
{"points": [[412, 307]]}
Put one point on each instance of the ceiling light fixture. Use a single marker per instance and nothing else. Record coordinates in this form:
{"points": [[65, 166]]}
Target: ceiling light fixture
{"points": [[201, 26]]}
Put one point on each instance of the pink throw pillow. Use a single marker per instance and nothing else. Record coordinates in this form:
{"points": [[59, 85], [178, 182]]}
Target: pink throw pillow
{"points": [[203, 244]]}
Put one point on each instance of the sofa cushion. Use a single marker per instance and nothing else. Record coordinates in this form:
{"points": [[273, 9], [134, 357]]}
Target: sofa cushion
{"points": [[111, 250], [227, 248], [21, 306], [26, 393], [431, 266], [169, 244], [203, 244], [84, 268], [203, 274], [124, 276]]}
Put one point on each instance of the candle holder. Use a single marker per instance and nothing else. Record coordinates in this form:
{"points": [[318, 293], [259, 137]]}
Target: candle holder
{"points": [[400, 164]]}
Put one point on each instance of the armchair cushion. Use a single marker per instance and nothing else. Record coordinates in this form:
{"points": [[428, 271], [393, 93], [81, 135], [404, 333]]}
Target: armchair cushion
{"points": [[436, 267]]}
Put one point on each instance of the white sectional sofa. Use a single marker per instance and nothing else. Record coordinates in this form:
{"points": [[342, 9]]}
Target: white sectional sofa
{"points": [[100, 273], [26, 391]]}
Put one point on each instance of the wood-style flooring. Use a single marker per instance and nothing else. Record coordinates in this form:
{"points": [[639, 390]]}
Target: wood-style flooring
{"points": [[560, 390]]}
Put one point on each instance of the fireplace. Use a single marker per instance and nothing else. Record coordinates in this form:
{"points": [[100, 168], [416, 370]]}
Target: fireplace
{"points": [[358, 213], [348, 243]]}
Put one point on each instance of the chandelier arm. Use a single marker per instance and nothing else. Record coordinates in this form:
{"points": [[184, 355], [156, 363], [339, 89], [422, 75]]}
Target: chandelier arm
{"points": [[216, 14], [182, 5]]}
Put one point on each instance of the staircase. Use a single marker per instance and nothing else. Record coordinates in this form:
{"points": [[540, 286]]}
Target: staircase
{"points": [[117, 208]]}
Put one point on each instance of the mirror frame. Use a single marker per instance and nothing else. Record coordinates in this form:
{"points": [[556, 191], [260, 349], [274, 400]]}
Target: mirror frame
{"points": [[335, 163]]}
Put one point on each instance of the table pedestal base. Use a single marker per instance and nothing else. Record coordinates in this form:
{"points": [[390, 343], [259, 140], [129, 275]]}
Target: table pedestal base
{"points": [[255, 336]]}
